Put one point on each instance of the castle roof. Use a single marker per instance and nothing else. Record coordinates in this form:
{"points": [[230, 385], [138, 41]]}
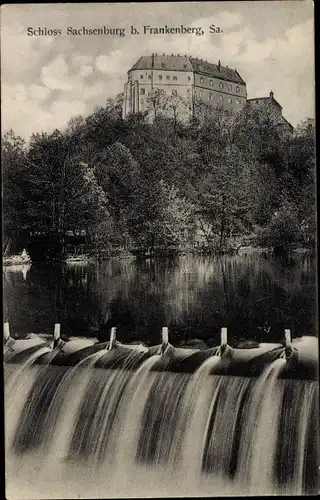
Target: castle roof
{"points": [[216, 70], [263, 100], [164, 61], [185, 63]]}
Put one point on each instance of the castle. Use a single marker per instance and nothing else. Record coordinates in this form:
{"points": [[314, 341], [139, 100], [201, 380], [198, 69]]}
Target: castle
{"points": [[193, 80], [188, 77]]}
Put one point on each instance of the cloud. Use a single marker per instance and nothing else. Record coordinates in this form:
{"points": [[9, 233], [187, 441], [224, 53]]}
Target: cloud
{"points": [[113, 63], [85, 70], [39, 92], [55, 75], [225, 20], [81, 60], [94, 90], [21, 113], [62, 111], [285, 65]]}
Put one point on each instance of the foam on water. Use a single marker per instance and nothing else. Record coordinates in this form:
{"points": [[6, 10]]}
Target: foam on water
{"points": [[90, 432]]}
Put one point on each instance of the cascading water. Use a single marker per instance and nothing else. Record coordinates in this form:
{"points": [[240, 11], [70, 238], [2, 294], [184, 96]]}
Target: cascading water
{"points": [[94, 430], [259, 432], [18, 382]]}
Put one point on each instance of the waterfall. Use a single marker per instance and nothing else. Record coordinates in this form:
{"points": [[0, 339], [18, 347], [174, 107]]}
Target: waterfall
{"points": [[91, 431], [18, 382], [259, 436]]}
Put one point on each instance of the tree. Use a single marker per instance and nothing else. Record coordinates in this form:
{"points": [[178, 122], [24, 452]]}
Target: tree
{"points": [[212, 130], [14, 174], [162, 217], [283, 229], [258, 133], [178, 109], [47, 157], [156, 102], [119, 176], [114, 106], [86, 203], [116, 181], [223, 197]]}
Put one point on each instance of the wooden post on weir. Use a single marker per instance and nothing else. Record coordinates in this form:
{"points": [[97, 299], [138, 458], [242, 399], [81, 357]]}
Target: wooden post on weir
{"points": [[224, 337], [287, 335], [287, 343], [56, 335], [223, 341], [165, 338], [112, 338], [6, 332]]}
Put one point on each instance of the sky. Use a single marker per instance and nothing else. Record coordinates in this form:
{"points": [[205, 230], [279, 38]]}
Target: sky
{"points": [[46, 80]]}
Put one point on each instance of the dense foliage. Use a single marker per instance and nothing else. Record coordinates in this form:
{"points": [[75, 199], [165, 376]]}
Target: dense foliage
{"points": [[221, 180]]}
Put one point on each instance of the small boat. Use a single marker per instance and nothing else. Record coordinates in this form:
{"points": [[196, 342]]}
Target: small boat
{"points": [[14, 260], [77, 259]]}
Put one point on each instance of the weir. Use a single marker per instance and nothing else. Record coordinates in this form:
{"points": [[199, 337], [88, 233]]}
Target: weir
{"points": [[86, 419]]}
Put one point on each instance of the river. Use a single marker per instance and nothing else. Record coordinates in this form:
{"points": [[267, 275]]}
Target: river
{"points": [[255, 296]]}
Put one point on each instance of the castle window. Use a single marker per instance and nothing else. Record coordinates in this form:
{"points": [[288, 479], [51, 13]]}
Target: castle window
{"points": [[185, 66], [141, 76], [211, 83], [200, 93], [230, 86], [189, 77], [229, 100], [221, 98], [142, 91], [160, 77], [201, 79], [163, 65], [174, 78], [237, 101], [174, 92], [149, 76], [221, 85], [210, 97], [168, 77], [238, 89]]}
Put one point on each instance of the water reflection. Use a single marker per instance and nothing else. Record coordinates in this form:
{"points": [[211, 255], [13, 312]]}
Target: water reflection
{"points": [[17, 268], [254, 296]]}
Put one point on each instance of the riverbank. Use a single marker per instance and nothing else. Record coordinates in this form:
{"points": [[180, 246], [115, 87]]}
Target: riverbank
{"points": [[120, 253]]}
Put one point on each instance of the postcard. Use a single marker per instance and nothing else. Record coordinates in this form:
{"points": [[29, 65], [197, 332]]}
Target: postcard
{"points": [[159, 249]]}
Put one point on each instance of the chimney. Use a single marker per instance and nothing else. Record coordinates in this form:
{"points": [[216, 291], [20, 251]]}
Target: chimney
{"points": [[271, 95], [219, 65]]}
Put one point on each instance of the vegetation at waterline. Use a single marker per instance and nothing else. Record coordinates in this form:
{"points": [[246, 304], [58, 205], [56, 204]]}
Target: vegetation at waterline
{"points": [[221, 180]]}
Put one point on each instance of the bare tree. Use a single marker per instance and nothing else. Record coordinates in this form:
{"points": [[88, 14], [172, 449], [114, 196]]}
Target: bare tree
{"points": [[156, 101]]}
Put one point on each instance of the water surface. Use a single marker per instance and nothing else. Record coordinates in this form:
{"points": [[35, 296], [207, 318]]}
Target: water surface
{"points": [[254, 296]]}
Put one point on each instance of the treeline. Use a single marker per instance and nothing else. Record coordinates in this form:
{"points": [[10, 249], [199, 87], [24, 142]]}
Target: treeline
{"points": [[220, 180]]}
